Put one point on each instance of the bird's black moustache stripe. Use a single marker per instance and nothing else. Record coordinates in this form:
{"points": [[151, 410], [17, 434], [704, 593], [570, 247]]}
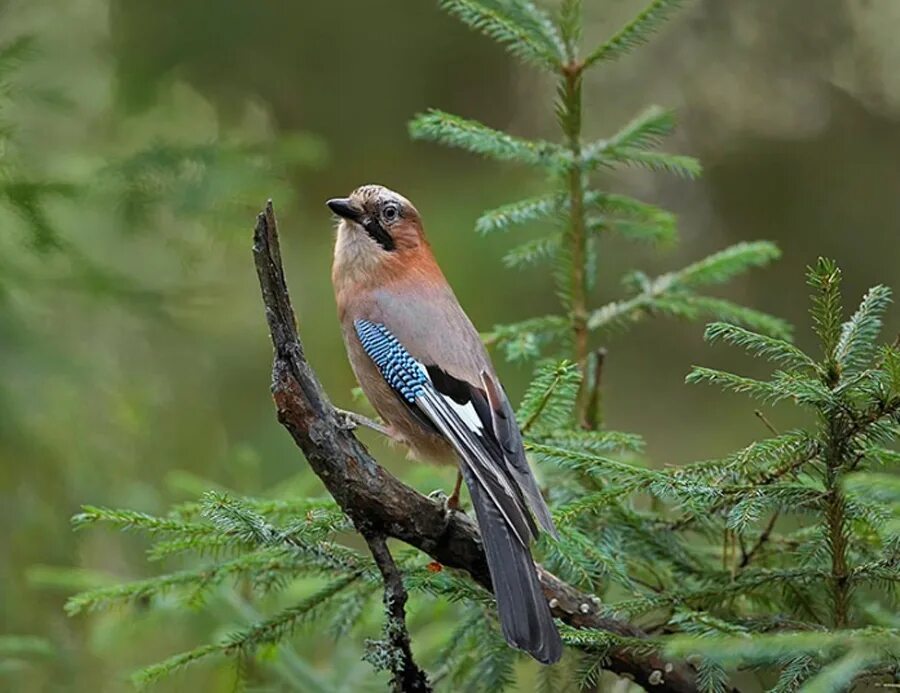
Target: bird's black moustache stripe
{"points": [[378, 232]]}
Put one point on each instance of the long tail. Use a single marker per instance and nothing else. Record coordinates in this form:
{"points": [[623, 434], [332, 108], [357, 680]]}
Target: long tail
{"points": [[524, 614]]}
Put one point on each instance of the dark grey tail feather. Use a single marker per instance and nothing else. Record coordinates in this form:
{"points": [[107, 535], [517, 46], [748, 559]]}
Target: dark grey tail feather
{"points": [[524, 614], [525, 481]]}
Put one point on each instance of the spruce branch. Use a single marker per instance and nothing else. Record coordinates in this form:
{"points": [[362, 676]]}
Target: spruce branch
{"points": [[645, 131], [674, 294], [283, 623], [156, 672], [569, 23], [636, 33], [633, 143], [741, 650], [533, 251], [128, 520], [660, 162], [377, 502], [549, 399], [625, 206], [769, 348], [521, 212], [631, 229], [269, 630], [713, 592], [856, 345], [478, 138], [525, 30], [620, 213], [787, 454], [724, 265], [782, 386], [827, 308], [195, 582], [524, 340]]}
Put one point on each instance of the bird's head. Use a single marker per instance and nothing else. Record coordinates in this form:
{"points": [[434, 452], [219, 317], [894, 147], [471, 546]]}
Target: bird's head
{"points": [[379, 230], [385, 220]]}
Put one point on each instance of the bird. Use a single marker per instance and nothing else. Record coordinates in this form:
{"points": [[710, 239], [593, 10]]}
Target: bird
{"points": [[422, 365]]}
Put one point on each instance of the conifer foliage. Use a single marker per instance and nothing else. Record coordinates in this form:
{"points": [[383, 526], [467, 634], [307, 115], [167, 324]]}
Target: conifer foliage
{"points": [[780, 558], [779, 561]]}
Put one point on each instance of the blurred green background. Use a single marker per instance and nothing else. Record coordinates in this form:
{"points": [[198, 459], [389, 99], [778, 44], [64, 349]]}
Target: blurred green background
{"points": [[138, 140]]}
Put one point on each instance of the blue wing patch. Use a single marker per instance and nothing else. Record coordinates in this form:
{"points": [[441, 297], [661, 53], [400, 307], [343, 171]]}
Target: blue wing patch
{"points": [[401, 371]]}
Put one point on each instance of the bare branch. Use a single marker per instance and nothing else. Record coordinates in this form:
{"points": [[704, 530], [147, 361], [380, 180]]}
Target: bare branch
{"points": [[407, 676]]}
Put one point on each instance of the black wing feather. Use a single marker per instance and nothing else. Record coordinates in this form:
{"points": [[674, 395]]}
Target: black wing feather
{"points": [[509, 438]]}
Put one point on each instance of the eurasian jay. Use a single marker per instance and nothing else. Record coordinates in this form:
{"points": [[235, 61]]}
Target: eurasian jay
{"points": [[423, 367]]}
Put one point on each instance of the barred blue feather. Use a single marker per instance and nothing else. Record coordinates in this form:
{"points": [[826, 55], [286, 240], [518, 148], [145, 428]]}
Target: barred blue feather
{"points": [[401, 371]]}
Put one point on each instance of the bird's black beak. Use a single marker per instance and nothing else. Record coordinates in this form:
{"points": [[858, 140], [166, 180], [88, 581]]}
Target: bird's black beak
{"points": [[344, 208]]}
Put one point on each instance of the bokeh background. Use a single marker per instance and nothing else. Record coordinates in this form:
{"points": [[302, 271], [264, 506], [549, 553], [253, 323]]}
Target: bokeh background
{"points": [[140, 138]]}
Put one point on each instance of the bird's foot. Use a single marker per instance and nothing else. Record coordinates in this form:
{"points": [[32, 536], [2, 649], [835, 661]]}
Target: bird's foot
{"points": [[345, 422], [438, 495], [350, 421], [450, 504]]}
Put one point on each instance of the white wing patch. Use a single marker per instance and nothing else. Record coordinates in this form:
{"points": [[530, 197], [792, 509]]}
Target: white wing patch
{"points": [[466, 412]]}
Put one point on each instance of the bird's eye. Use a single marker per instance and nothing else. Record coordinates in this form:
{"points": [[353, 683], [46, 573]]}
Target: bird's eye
{"points": [[390, 212]]}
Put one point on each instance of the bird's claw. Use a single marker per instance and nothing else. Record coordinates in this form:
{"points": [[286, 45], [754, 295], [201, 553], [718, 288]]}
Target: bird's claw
{"points": [[449, 504], [350, 421], [346, 422]]}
